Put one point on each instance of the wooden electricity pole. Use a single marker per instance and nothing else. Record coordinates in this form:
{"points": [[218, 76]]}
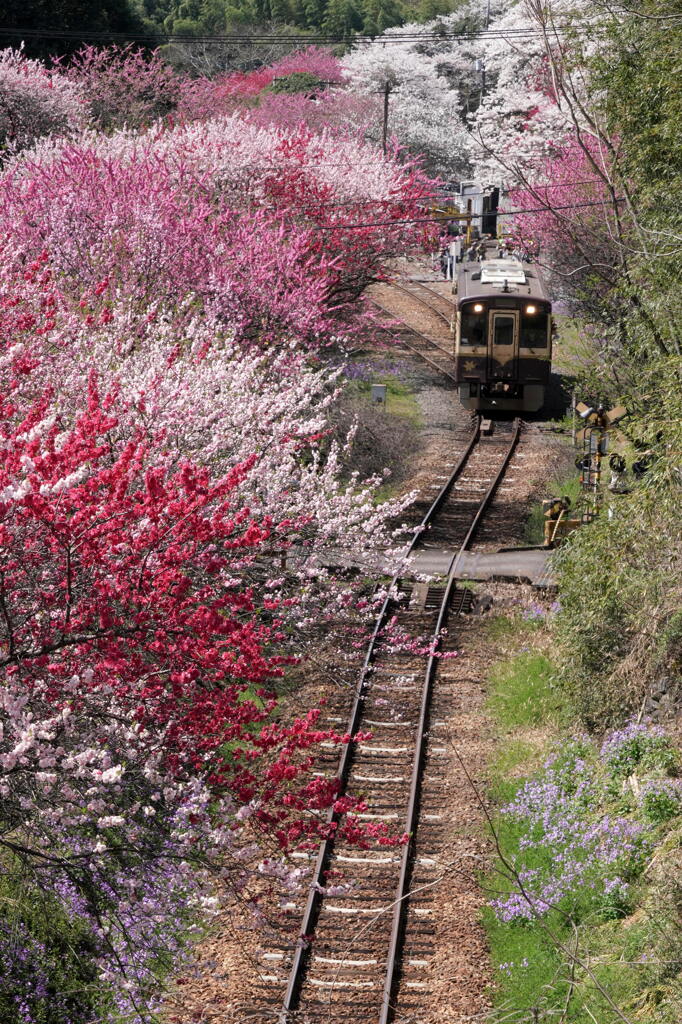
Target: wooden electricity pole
{"points": [[387, 89]]}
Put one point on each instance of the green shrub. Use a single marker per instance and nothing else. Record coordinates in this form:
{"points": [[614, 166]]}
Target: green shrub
{"points": [[297, 81], [661, 800], [617, 630]]}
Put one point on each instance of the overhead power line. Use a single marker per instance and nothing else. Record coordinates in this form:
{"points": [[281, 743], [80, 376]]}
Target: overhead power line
{"points": [[263, 37], [474, 216], [443, 197]]}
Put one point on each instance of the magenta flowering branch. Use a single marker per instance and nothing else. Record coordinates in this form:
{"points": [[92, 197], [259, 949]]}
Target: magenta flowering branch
{"points": [[165, 507]]}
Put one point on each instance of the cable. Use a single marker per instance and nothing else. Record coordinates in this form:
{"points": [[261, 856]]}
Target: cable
{"points": [[395, 37], [258, 38], [324, 204], [476, 216]]}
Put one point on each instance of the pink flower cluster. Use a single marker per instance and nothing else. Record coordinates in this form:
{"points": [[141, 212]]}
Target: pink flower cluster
{"points": [[203, 98], [262, 227], [35, 102], [167, 491]]}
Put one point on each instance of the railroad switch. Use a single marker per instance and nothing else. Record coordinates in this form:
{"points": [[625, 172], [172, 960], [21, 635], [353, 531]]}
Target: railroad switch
{"points": [[462, 601], [557, 523]]}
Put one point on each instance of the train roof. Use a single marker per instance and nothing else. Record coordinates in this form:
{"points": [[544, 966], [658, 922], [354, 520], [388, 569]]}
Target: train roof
{"points": [[487, 278]]}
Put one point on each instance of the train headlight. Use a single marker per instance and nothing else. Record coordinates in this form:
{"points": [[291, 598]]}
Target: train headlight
{"points": [[531, 309], [478, 307]]}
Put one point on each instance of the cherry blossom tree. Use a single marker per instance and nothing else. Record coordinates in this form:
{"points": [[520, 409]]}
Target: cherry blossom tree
{"points": [[521, 121], [266, 228], [187, 381], [168, 493], [569, 212], [141, 646], [475, 99], [35, 102], [123, 86], [203, 98], [342, 110], [424, 103]]}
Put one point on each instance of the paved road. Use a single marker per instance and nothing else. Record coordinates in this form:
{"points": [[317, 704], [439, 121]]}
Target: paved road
{"points": [[527, 564]]}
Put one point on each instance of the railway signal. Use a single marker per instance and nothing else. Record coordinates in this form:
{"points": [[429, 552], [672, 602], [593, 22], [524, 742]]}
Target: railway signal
{"points": [[595, 446]]}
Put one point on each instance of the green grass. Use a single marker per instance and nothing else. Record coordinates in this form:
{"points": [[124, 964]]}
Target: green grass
{"points": [[564, 486], [508, 627], [512, 762], [531, 973], [522, 691], [528, 970], [400, 399]]}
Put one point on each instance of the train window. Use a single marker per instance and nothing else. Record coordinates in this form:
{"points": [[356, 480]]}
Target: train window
{"points": [[504, 330], [533, 331], [473, 329]]}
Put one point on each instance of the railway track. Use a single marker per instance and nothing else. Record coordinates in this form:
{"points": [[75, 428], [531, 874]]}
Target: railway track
{"points": [[371, 943], [439, 304], [435, 347]]}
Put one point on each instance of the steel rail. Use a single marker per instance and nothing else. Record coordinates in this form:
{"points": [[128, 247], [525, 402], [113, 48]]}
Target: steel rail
{"points": [[413, 287], [413, 348], [314, 899], [403, 888]]}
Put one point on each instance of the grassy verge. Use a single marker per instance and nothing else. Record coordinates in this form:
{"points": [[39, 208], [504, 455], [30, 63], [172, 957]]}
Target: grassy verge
{"points": [[400, 399], [570, 348], [522, 692], [586, 893], [386, 435], [561, 486]]}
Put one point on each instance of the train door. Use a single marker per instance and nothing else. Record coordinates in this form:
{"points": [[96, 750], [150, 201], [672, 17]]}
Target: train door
{"points": [[503, 344]]}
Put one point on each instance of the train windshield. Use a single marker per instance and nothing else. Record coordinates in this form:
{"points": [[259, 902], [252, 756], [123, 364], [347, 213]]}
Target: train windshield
{"points": [[534, 330], [473, 328], [504, 330]]}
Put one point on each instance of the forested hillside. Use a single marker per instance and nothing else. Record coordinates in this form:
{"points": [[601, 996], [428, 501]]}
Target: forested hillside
{"points": [[153, 20], [336, 17], [47, 27]]}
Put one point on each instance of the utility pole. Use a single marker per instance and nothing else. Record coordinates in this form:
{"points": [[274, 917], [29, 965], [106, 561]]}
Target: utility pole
{"points": [[487, 15], [479, 66], [387, 89]]}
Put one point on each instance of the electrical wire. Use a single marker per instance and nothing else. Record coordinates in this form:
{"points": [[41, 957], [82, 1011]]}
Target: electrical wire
{"points": [[269, 38], [476, 216], [448, 197]]}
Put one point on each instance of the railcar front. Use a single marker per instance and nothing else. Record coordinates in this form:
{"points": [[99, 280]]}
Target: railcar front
{"points": [[503, 336]]}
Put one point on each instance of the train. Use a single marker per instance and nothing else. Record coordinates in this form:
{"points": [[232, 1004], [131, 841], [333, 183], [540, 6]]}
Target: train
{"points": [[503, 335]]}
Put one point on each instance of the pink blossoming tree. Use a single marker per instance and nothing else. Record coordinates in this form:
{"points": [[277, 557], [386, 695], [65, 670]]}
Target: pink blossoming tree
{"points": [[35, 102]]}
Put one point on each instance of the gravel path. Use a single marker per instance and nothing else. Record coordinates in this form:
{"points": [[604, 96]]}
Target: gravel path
{"points": [[417, 315]]}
